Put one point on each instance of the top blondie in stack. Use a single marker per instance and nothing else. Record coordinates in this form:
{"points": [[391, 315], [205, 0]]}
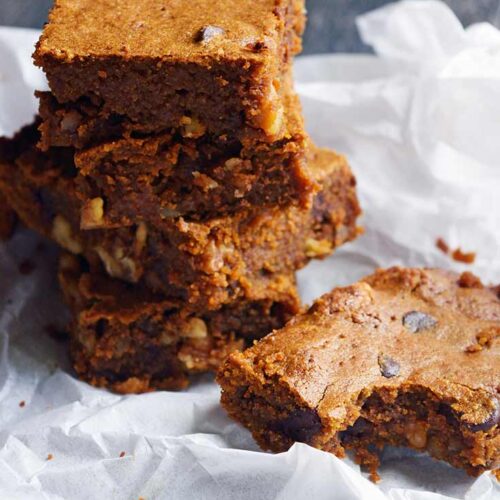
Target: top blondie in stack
{"points": [[170, 159]]}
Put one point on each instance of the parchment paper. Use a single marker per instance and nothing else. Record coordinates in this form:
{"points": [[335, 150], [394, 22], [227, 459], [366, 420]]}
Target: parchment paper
{"points": [[420, 123]]}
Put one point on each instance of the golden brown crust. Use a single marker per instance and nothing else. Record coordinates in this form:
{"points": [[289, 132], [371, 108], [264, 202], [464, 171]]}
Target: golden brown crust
{"points": [[399, 340]]}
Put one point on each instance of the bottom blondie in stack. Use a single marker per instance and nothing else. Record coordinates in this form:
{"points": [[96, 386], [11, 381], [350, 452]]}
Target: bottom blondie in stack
{"points": [[153, 305]]}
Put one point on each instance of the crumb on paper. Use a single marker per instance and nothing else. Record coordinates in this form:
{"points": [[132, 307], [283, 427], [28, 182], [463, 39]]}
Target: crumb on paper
{"points": [[50, 456], [122, 454], [457, 255], [442, 245], [22, 404], [464, 257], [26, 267]]}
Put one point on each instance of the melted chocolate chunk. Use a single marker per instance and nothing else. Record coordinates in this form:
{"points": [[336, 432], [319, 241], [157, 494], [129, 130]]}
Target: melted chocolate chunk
{"points": [[492, 420], [416, 321], [208, 33], [358, 430], [301, 425], [389, 367]]}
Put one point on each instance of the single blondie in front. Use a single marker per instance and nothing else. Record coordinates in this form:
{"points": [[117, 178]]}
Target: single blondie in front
{"points": [[158, 63], [204, 263], [129, 340], [405, 357]]}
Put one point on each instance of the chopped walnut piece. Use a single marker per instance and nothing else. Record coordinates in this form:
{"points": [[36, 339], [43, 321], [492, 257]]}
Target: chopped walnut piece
{"points": [[273, 114], [117, 265], [318, 248], [71, 121], [93, 214], [63, 235], [232, 163], [187, 359], [195, 329], [204, 181], [416, 433], [141, 236], [192, 128]]}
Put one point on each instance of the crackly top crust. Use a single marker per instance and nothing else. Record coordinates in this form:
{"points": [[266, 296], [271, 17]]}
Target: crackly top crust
{"points": [[167, 30], [399, 327]]}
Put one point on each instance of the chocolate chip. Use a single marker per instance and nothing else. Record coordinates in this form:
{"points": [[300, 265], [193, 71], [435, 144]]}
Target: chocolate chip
{"points": [[301, 425], [256, 45], [490, 422], [388, 367], [446, 410], [208, 33], [417, 321], [361, 428], [26, 267]]}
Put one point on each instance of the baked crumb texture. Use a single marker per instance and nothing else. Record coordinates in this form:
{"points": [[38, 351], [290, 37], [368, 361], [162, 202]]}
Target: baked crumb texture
{"points": [[130, 340], [386, 361], [207, 264], [178, 172]]}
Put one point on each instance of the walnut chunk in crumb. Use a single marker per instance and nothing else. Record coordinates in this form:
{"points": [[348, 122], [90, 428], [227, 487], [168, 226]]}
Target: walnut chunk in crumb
{"points": [[273, 114], [204, 182], [192, 128], [93, 214], [196, 328], [118, 265], [141, 236], [318, 248], [63, 235]]}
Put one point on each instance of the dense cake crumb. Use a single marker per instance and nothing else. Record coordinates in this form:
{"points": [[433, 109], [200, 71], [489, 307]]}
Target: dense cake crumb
{"points": [[405, 357], [221, 258]]}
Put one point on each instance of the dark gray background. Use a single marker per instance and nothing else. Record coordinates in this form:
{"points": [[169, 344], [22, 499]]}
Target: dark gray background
{"points": [[331, 22]]}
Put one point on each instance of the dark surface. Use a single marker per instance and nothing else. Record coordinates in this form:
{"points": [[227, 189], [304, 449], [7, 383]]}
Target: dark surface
{"points": [[331, 22]]}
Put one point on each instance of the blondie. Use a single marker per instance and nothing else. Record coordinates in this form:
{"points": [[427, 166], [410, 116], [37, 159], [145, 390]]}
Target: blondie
{"points": [[405, 357], [205, 263], [129, 340], [159, 63]]}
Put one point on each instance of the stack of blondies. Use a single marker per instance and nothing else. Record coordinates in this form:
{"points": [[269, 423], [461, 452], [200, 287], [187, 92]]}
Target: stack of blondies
{"points": [[171, 164]]}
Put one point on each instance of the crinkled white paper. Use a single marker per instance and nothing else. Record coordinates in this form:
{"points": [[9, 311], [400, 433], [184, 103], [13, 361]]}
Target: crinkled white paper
{"points": [[421, 126]]}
